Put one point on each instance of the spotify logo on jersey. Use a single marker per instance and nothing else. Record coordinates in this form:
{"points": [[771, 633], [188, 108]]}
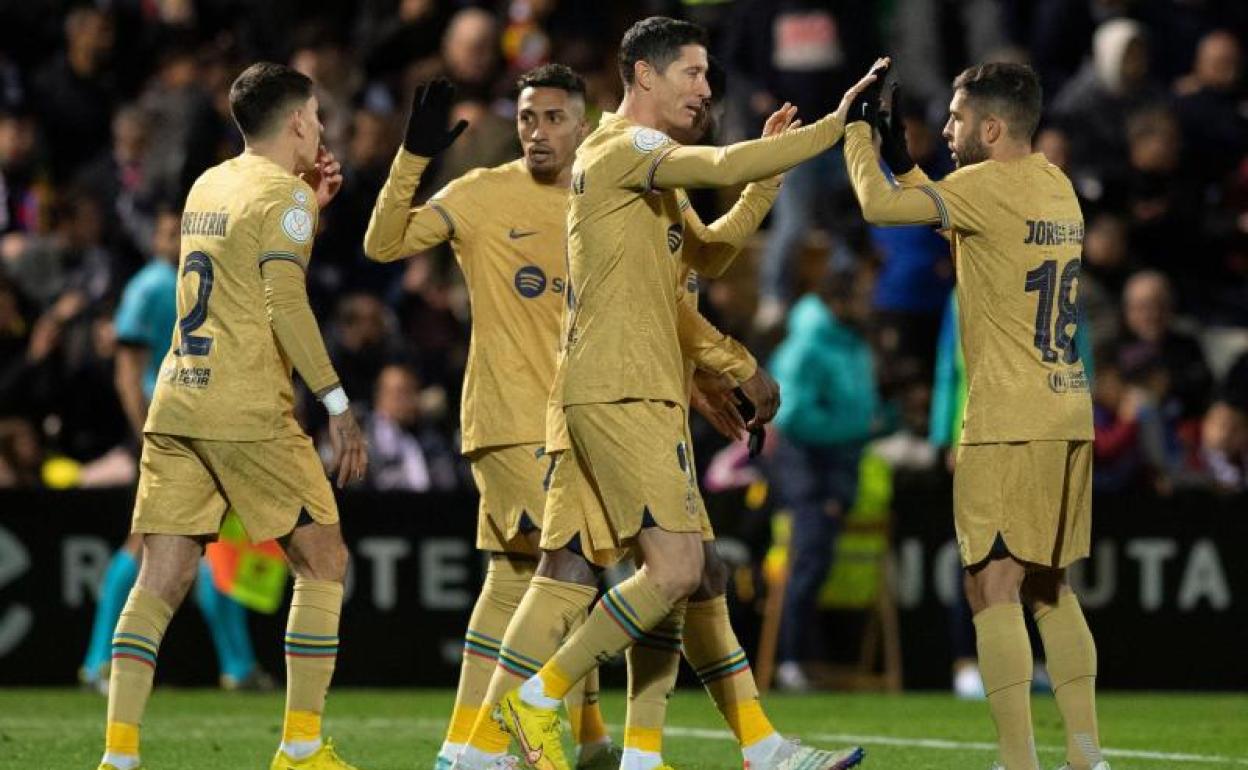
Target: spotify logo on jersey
{"points": [[530, 281]]}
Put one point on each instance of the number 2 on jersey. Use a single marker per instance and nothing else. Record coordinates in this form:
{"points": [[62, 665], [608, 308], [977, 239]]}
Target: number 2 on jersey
{"points": [[1060, 334], [201, 264]]}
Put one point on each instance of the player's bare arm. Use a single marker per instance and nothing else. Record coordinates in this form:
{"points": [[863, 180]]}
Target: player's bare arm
{"points": [[395, 230]]}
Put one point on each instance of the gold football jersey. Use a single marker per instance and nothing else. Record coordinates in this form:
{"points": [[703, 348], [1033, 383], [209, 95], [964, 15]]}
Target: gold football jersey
{"points": [[1017, 234], [225, 376], [507, 232], [624, 249]]}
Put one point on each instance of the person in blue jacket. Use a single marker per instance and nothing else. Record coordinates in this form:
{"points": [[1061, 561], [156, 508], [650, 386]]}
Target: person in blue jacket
{"points": [[830, 408]]}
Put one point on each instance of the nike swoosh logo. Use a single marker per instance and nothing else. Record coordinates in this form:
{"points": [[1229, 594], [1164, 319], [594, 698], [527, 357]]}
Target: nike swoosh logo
{"points": [[515, 234], [531, 755]]}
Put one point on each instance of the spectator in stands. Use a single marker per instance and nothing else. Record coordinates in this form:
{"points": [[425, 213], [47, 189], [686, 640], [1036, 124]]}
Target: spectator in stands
{"points": [[1219, 460], [1115, 409], [74, 96], [804, 52], [121, 181], [72, 256], [470, 50], [1103, 274], [184, 124], [1161, 201], [1149, 323], [362, 341], [321, 56], [394, 38], [405, 451], [21, 453], [1210, 109], [1094, 104], [19, 172], [831, 408]]}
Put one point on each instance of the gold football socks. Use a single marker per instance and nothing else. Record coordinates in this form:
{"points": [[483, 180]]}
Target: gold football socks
{"points": [[311, 651], [1071, 656], [549, 609], [653, 663], [506, 580], [621, 617], [716, 655], [136, 642], [1005, 663]]}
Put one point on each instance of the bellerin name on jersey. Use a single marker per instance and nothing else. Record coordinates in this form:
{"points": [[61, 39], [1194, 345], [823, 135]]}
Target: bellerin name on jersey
{"points": [[210, 223]]}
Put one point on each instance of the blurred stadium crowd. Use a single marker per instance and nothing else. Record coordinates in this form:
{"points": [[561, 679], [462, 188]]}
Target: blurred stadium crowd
{"points": [[108, 111]]}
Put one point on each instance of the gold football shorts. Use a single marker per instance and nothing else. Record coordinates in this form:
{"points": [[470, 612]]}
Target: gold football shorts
{"points": [[186, 485], [1035, 495], [629, 460], [511, 480]]}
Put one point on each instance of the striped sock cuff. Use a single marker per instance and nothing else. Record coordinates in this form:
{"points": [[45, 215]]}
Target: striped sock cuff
{"points": [[644, 739], [311, 645], [732, 663], [476, 643], [662, 639], [517, 663], [135, 647], [623, 614]]}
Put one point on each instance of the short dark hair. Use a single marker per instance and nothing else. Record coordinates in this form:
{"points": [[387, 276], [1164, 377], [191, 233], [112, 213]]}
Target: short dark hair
{"points": [[1012, 89], [262, 92], [657, 41], [553, 76]]}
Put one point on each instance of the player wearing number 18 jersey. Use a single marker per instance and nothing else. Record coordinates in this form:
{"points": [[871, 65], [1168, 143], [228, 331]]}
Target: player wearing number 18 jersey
{"points": [[221, 430], [1022, 483]]}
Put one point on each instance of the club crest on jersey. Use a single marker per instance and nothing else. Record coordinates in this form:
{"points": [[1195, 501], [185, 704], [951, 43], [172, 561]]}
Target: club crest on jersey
{"points": [[297, 224], [649, 139], [530, 281], [675, 237]]}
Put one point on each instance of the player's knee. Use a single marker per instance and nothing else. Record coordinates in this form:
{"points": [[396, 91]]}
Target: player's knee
{"points": [[327, 562], [566, 566], [677, 579]]}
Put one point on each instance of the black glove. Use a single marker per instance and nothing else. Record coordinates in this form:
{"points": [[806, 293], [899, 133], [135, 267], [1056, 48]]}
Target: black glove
{"points": [[892, 128], [427, 134], [757, 435], [866, 105]]}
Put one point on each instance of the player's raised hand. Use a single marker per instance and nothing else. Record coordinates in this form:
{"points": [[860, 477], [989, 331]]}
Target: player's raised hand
{"points": [[783, 119], [892, 129], [350, 459], [861, 101], [764, 393], [325, 178], [712, 398], [427, 134]]}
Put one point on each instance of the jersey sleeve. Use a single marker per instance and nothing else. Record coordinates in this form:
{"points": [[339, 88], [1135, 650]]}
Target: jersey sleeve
{"points": [[710, 349], [712, 248], [130, 322], [396, 229], [962, 198], [881, 202], [287, 223], [702, 166]]}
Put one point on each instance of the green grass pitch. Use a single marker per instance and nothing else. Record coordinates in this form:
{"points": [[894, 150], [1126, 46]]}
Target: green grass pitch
{"points": [[392, 729]]}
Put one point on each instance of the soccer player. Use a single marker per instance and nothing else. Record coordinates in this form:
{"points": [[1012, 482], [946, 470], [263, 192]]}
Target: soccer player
{"points": [[506, 226], [621, 382], [221, 430], [143, 322], [1023, 472]]}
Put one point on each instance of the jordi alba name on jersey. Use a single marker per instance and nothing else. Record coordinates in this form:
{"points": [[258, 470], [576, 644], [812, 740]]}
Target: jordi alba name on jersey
{"points": [[1017, 234]]}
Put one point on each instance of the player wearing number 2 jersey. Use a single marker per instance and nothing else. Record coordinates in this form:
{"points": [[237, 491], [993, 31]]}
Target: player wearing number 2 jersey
{"points": [[221, 430], [1022, 483]]}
